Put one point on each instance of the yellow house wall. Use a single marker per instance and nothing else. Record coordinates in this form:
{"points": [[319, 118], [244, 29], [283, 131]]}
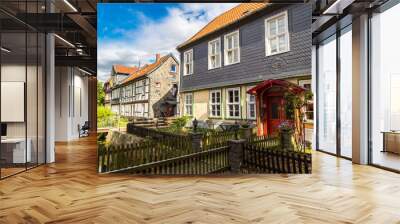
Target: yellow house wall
{"points": [[200, 106], [201, 101]]}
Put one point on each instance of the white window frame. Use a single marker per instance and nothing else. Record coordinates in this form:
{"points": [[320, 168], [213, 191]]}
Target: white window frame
{"points": [[304, 82], [268, 37], [249, 103], [226, 47], [217, 54], [186, 104], [233, 103], [215, 103], [186, 62]]}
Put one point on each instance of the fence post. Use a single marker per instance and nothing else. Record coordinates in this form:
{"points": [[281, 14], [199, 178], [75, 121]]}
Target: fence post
{"points": [[247, 133], [235, 156], [287, 140], [196, 141]]}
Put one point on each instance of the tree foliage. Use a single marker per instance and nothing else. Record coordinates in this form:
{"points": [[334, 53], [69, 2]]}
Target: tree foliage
{"points": [[100, 93], [179, 123], [295, 105]]}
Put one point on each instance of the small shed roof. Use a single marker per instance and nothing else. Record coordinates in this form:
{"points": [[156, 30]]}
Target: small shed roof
{"points": [[291, 87]]}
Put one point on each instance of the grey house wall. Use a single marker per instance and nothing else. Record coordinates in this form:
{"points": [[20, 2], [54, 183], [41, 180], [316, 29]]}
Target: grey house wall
{"points": [[254, 66]]}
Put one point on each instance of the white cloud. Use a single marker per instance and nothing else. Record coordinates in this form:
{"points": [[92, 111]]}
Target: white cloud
{"points": [[153, 37]]}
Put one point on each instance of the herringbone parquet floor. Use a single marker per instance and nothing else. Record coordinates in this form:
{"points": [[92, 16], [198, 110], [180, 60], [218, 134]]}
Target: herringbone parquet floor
{"points": [[70, 191]]}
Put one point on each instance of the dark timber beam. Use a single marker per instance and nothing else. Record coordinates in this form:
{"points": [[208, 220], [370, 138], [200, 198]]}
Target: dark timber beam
{"points": [[78, 61]]}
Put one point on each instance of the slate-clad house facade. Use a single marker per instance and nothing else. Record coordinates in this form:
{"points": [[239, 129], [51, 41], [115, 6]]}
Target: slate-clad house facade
{"points": [[242, 47]]}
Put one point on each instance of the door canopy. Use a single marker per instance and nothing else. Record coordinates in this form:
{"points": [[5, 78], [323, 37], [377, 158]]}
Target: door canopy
{"points": [[267, 84]]}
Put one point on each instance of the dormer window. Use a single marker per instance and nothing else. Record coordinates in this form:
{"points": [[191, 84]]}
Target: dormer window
{"points": [[231, 48], [188, 62], [277, 34], [214, 54]]}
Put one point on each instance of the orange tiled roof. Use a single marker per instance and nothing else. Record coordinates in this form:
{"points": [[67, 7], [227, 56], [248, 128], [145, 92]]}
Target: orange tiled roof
{"points": [[124, 69], [229, 17], [145, 69]]}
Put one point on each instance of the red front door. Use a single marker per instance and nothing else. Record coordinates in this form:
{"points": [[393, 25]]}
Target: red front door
{"points": [[275, 114]]}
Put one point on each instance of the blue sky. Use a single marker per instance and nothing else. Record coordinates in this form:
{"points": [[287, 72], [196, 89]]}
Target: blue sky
{"points": [[132, 32], [114, 17]]}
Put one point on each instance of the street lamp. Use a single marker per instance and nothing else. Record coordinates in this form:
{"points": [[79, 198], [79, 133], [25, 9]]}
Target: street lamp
{"points": [[195, 123]]}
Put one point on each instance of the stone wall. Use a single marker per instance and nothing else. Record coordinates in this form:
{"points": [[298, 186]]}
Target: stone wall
{"points": [[161, 83]]}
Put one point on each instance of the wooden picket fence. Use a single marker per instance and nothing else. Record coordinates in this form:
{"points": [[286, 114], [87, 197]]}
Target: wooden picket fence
{"points": [[115, 157], [168, 139], [219, 138], [200, 163], [265, 155], [170, 154], [265, 141]]}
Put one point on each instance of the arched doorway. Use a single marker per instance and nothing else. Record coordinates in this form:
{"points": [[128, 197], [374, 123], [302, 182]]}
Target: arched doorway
{"points": [[270, 101]]}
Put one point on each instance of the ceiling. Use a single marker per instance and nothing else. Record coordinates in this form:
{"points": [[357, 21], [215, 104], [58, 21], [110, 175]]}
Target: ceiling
{"points": [[331, 14], [73, 21]]}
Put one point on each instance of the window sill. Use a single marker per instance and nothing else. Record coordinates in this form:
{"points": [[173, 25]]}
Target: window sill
{"points": [[274, 54], [232, 63], [215, 117], [233, 118], [209, 69]]}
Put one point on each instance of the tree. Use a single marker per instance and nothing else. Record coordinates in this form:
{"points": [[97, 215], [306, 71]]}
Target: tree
{"points": [[100, 93]]}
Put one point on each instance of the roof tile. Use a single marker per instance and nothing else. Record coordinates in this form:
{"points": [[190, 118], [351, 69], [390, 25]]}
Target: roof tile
{"points": [[231, 16], [125, 69], [146, 69]]}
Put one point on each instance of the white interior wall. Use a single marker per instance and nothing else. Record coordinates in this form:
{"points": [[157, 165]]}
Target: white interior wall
{"points": [[71, 102], [14, 73]]}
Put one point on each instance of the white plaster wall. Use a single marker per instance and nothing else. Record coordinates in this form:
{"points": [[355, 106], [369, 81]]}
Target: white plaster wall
{"points": [[34, 124], [69, 112]]}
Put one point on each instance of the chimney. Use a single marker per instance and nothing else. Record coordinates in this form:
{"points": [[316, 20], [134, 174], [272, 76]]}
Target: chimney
{"points": [[157, 57]]}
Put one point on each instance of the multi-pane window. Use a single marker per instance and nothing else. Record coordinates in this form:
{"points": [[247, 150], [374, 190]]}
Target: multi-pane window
{"points": [[233, 103], [188, 104], [188, 62], [115, 94], [128, 91], [231, 48], [214, 54], [127, 110], [141, 90], [277, 34], [146, 83], [215, 103], [133, 91], [251, 106], [139, 110]]}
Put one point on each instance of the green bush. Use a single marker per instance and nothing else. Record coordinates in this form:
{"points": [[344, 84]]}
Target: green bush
{"points": [[179, 123], [101, 137], [105, 117], [123, 121]]}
